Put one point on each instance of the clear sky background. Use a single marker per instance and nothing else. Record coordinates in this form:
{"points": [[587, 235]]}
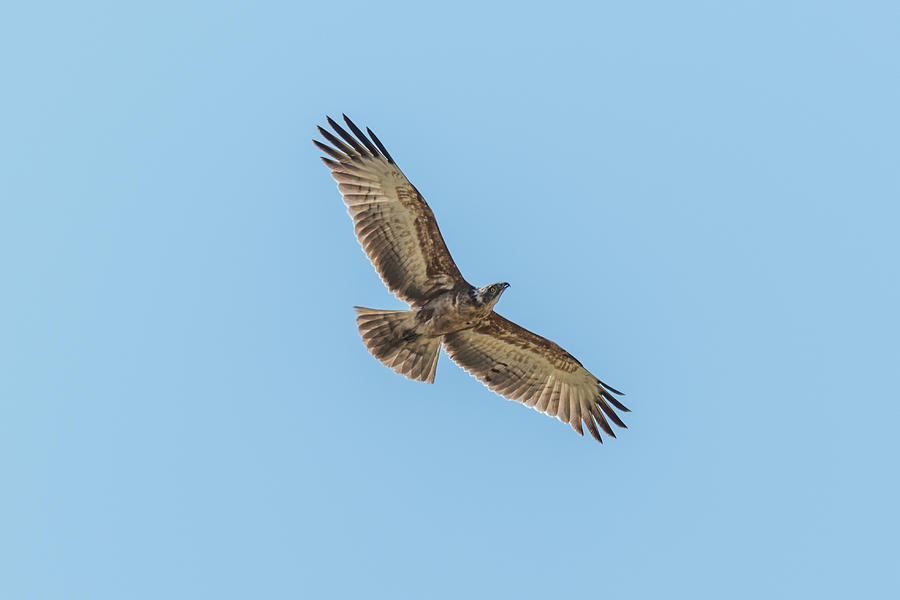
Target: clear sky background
{"points": [[697, 199]]}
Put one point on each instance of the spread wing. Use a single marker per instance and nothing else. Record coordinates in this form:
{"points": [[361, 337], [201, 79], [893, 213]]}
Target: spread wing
{"points": [[520, 365], [393, 224]]}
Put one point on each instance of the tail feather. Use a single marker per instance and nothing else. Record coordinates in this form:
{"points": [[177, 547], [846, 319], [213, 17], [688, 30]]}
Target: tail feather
{"points": [[392, 337]]}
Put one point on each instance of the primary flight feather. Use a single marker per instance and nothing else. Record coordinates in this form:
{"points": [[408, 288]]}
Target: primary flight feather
{"points": [[399, 234]]}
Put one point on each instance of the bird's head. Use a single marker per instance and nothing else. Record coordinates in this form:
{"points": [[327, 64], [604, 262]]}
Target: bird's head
{"points": [[489, 294]]}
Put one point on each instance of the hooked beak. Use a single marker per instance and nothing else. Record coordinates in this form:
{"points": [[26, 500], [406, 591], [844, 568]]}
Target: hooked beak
{"points": [[505, 285]]}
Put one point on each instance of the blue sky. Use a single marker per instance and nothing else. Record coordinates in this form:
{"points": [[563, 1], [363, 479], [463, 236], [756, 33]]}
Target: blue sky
{"points": [[697, 199]]}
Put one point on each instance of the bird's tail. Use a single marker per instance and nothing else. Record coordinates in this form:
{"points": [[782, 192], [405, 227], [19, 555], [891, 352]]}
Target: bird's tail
{"points": [[392, 337]]}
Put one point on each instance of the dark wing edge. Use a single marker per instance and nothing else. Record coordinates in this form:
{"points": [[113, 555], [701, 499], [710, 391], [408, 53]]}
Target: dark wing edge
{"points": [[525, 367], [393, 223]]}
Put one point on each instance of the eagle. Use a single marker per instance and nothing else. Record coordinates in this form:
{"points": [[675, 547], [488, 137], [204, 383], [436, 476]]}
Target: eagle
{"points": [[398, 232]]}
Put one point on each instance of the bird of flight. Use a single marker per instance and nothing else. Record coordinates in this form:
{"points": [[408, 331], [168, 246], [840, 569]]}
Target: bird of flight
{"points": [[399, 234]]}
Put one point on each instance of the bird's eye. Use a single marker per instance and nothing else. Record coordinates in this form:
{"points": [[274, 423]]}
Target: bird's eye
{"points": [[493, 289]]}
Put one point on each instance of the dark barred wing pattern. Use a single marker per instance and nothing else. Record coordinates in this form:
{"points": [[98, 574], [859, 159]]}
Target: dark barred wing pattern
{"points": [[523, 366], [393, 224]]}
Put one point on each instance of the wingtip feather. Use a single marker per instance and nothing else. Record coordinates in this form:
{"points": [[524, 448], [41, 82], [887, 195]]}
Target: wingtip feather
{"points": [[361, 136], [592, 426], [610, 388], [380, 146], [346, 136]]}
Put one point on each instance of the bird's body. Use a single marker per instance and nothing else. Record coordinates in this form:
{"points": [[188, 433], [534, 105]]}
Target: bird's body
{"points": [[398, 232], [458, 309]]}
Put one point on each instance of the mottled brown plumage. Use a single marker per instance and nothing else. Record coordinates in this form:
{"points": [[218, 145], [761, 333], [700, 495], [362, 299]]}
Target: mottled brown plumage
{"points": [[394, 225], [399, 234], [523, 366]]}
